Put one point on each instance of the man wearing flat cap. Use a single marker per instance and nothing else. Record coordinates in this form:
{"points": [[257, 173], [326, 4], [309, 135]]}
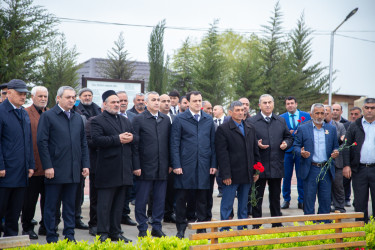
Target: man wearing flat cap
{"points": [[16, 155], [113, 135], [86, 106], [63, 152]]}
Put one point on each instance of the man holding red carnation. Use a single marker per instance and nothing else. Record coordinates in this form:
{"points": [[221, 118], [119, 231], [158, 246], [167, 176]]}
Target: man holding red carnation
{"points": [[237, 151]]}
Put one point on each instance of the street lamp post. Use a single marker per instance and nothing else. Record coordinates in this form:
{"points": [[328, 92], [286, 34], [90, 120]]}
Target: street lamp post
{"points": [[331, 54]]}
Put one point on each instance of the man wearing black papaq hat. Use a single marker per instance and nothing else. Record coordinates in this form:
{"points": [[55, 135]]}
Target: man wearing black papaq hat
{"points": [[113, 135], [16, 155]]}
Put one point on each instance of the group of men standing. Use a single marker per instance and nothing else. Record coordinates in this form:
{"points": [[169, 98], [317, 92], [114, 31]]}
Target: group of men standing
{"points": [[168, 139]]}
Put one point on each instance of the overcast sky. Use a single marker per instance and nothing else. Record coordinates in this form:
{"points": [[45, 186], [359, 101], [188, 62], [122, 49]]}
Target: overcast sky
{"points": [[353, 59]]}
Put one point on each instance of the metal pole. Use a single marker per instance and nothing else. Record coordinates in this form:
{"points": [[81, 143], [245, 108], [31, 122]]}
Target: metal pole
{"points": [[330, 70]]}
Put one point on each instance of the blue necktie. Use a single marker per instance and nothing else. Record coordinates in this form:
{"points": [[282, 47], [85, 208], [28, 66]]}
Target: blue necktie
{"points": [[294, 122], [18, 113], [196, 116], [67, 113]]}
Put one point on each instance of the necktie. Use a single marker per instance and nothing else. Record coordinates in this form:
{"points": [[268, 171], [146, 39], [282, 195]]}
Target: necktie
{"points": [[219, 121], [294, 122], [267, 119], [156, 117], [124, 114], [196, 116], [18, 113], [215, 121], [241, 129], [67, 113]]}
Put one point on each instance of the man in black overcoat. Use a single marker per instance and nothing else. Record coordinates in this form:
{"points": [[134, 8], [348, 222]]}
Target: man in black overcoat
{"points": [[113, 136]]}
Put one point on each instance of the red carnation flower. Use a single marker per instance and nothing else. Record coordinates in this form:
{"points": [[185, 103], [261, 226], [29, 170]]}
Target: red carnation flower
{"points": [[299, 121], [303, 118], [355, 144]]}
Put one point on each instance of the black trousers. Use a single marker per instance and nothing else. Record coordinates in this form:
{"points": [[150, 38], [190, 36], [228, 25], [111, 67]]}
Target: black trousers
{"points": [[363, 185], [11, 201], [170, 197], [79, 198], [109, 209], [93, 202], [210, 200], [274, 189], [36, 187], [347, 188], [181, 206], [338, 193]]}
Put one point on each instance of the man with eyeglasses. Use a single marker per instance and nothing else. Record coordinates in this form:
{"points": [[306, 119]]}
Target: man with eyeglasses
{"points": [[359, 160]]}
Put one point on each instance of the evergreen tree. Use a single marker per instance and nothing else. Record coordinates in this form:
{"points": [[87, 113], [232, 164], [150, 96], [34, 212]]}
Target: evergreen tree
{"points": [[25, 29], [156, 59], [306, 81], [59, 67], [209, 68], [117, 65]]}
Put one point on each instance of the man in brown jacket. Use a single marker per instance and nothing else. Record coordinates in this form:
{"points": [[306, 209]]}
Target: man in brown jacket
{"points": [[39, 96]]}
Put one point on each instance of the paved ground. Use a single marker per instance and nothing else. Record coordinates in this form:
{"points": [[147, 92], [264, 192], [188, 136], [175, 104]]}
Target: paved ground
{"points": [[168, 228]]}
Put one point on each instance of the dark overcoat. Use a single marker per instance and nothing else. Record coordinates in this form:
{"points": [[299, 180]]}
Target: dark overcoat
{"points": [[16, 147], [192, 146], [62, 145], [153, 146], [272, 134], [96, 109], [114, 165], [236, 154]]}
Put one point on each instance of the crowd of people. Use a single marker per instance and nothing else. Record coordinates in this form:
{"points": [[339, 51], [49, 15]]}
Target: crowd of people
{"points": [[164, 156]]}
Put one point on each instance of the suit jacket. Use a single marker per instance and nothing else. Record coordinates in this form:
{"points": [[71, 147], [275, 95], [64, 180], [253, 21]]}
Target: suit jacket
{"points": [[305, 138], [273, 134], [339, 163], [114, 165], [34, 120], [192, 147], [153, 145], [345, 122], [62, 145], [290, 127], [236, 154], [92, 147], [81, 109], [16, 147]]}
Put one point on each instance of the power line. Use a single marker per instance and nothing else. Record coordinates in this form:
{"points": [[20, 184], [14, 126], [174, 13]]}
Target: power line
{"points": [[356, 38]]}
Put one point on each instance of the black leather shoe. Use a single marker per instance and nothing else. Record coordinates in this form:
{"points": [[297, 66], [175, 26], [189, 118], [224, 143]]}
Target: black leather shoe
{"points": [[42, 230], [277, 225], [347, 204], [70, 239], [103, 237], [201, 231], [81, 225], [300, 205], [34, 222], [180, 234], [93, 231], [128, 221], [32, 235], [142, 234], [157, 233], [120, 237], [285, 205]]}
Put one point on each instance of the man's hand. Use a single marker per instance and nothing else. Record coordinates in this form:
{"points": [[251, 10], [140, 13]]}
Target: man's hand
{"points": [[49, 173], [283, 145], [342, 137], [2, 173], [255, 177], [347, 172], [227, 181], [85, 172], [177, 171], [126, 137], [291, 131], [31, 172], [335, 153], [261, 145], [170, 169], [213, 170], [137, 172], [305, 154]]}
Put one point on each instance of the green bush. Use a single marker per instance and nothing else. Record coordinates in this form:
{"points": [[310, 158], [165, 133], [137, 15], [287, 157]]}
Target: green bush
{"points": [[175, 243]]}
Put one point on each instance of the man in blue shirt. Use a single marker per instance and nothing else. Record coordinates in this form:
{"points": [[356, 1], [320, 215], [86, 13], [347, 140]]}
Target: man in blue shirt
{"points": [[316, 142], [292, 116]]}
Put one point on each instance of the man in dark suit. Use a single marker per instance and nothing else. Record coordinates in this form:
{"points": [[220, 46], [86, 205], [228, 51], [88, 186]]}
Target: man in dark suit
{"points": [[39, 96], [139, 103], [113, 135], [246, 106], [219, 115], [192, 146], [274, 139], [175, 98], [86, 106], [337, 115], [237, 151], [359, 161], [130, 192], [63, 151], [292, 116], [16, 156], [152, 129], [316, 142]]}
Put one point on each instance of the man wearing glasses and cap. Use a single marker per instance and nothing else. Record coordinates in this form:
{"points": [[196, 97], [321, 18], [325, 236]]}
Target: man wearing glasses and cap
{"points": [[16, 155]]}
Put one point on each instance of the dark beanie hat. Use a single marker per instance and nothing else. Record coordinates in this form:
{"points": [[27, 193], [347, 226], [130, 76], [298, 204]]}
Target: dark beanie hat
{"points": [[107, 94]]}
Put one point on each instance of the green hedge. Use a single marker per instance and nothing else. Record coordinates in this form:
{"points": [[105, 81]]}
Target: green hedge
{"points": [[175, 243]]}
